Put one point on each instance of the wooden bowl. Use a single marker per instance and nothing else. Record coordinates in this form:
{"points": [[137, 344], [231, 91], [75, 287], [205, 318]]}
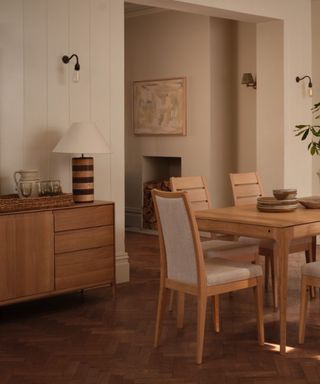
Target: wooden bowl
{"points": [[284, 194]]}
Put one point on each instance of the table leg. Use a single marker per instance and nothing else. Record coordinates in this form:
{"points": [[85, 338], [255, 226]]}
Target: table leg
{"points": [[281, 254]]}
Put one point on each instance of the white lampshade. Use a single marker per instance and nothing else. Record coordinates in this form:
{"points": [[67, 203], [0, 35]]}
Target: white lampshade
{"points": [[82, 138]]}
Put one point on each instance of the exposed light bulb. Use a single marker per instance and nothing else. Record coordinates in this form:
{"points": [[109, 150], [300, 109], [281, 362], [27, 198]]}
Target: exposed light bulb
{"points": [[76, 76], [310, 91]]}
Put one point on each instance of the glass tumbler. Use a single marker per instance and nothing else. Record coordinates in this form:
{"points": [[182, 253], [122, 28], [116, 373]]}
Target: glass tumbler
{"points": [[56, 187]]}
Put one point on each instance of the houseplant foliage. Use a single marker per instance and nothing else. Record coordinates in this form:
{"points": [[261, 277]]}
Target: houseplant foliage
{"points": [[311, 131]]}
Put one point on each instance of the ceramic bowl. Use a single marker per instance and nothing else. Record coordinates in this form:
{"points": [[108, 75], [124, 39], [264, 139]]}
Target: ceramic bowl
{"points": [[284, 194]]}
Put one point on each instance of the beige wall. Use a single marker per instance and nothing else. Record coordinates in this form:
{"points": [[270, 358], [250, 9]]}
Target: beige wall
{"points": [[316, 84], [295, 167], [270, 106], [165, 45], [247, 99], [168, 44], [224, 119], [39, 100], [212, 53]]}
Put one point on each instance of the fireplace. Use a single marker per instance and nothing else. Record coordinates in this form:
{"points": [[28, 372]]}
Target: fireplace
{"points": [[156, 173]]}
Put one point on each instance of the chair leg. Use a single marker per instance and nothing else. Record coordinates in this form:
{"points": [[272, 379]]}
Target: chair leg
{"points": [[307, 256], [201, 320], [310, 256], [314, 248], [303, 310], [274, 280], [160, 313], [258, 289], [180, 309], [216, 313], [171, 300], [266, 272]]}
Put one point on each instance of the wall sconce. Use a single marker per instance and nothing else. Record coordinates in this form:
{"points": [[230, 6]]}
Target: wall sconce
{"points": [[76, 73], [248, 80], [309, 84]]}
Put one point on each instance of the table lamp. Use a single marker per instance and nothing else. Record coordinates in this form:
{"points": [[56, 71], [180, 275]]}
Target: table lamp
{"points": [[81, 138]]}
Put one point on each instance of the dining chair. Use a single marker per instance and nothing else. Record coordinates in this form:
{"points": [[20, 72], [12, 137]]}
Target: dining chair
{"points": [[200, 199], [183, 267], [246, 188], [310, 277]]}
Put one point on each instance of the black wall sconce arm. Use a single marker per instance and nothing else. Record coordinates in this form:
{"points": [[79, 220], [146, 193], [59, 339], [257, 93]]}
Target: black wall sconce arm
{"points": [[66, 59], [298, 79]]}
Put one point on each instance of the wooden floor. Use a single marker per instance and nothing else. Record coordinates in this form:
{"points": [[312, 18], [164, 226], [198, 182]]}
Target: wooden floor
{"points": [[97, 340]]}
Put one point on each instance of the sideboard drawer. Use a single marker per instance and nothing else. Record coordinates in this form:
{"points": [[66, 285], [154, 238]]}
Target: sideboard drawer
{"points": [[85, 217], [70, 241], [86, 267]]}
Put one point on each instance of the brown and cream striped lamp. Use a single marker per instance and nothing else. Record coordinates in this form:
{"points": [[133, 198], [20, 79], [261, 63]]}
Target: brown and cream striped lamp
{"points": [[82, 138]]}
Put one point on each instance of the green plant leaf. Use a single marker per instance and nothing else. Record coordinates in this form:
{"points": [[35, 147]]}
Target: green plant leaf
{"points": [[301, 126], [305, 135], [315, 132], [315, 106]]}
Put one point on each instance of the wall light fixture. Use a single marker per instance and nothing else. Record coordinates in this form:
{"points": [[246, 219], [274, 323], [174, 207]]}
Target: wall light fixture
{"points": [[76, 74], [248, 80], [309, 84]]}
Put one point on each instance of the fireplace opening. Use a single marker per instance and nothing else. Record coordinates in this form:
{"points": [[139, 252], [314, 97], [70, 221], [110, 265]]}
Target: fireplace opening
{"points": [[156, 173]]}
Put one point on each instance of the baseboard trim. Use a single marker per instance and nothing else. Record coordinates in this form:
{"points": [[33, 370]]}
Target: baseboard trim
{"points": [[133, 217], [122, 268]]}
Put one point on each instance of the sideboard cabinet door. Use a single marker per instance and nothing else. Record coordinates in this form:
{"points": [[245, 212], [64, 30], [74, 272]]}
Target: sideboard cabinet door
{"points": [[26, 254]]}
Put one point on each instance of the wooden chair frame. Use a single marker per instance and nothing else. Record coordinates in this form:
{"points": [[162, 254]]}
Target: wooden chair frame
{"points": [[307, 283], [201, 289]]}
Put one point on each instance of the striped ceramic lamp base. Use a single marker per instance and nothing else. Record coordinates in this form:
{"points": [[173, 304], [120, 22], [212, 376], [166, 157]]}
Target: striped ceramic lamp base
{"points": [[82, 179]]}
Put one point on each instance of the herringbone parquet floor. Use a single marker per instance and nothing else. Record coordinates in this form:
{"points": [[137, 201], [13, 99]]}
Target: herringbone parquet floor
{"points": [[98, 340]]}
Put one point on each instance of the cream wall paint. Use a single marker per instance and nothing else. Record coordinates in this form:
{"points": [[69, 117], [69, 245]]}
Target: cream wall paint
{"points": [[246, 138], [270, 106], [169, 44], [224, 119], [39, 100], [165, 45], [295, 167], [316, 86], [297, 104]]}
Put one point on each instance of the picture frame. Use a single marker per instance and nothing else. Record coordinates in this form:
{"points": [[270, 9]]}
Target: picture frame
{"points": [[159, 107]]}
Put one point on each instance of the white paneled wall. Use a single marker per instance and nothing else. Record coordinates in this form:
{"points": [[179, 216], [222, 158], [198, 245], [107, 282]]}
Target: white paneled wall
{"points": [[35, 87], [11, 91], [39, 100], [58, 88]]}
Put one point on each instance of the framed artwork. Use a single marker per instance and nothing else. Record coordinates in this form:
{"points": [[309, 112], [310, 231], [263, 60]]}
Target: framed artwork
{"points": [[159, 107]]}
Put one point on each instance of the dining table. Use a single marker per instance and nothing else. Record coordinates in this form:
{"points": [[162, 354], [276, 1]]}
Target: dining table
{"points": [[281, 227]]}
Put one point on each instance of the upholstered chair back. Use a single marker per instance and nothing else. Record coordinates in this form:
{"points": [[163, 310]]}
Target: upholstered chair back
{"points": [[180, 242]]}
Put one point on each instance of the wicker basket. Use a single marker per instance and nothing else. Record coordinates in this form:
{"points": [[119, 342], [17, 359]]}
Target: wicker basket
{"points": [[12, 203]]}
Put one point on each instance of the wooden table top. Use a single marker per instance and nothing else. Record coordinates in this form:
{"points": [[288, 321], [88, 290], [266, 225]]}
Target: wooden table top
{"points": [[249, 214]]}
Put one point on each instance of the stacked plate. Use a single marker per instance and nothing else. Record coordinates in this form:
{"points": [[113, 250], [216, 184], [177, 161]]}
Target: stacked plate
{"points": [[271, 204]]}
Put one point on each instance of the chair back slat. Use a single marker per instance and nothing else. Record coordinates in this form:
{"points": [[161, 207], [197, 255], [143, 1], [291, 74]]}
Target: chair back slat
{"points": [[196, 187], [180, 241], [246, 188]]}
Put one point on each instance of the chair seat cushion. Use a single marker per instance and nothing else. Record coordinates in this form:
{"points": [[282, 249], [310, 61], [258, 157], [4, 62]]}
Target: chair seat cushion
{"points": [[311, 269], [222, 248], [222, 271]]}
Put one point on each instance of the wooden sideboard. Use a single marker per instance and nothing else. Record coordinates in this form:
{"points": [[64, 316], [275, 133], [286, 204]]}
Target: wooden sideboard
{"points": [[49, 251]]}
